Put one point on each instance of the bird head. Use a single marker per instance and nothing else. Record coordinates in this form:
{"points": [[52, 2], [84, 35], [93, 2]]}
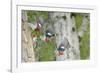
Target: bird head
{"points": [[61, 50]]}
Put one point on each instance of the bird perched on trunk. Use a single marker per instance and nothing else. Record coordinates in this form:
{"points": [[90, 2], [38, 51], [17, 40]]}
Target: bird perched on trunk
{"points": [[49, 34]]}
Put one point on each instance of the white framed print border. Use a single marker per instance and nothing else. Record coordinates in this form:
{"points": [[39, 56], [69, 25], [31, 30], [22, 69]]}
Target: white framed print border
{"points": [[18, 66]]}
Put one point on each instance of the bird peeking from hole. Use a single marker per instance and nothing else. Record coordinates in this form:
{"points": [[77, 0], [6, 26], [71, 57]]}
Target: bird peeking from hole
{"points": [[61, 53], [61, 50]]}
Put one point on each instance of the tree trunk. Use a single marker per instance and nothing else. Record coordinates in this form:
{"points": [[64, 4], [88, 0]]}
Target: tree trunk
{"points": [[27, 46], [63, 24]]}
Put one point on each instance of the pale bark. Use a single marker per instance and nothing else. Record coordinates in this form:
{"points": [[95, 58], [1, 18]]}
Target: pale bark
{"points": [[27, 46], [63, 25]]}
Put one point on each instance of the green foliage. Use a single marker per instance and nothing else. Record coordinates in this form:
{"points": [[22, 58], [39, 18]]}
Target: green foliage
{"points": [[85, 44], [33, 15], [85, 39], [46, 50], [78, 20]]}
